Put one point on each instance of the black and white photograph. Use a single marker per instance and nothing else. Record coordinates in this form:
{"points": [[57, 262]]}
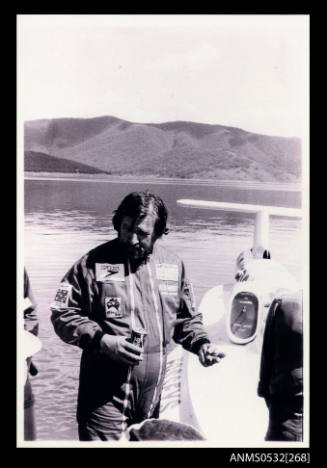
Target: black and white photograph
{"points": [[163, 231]]}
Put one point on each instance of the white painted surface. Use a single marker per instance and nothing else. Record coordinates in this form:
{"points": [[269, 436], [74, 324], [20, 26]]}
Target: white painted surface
{"points": [[242, 207], [31, 344], [224, 398]]}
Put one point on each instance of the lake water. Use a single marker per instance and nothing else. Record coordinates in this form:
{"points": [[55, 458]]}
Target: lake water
{"points": [[64, 219]]}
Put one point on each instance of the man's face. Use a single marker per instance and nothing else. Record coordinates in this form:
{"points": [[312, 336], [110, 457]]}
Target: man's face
{"points": [[138, 236]]}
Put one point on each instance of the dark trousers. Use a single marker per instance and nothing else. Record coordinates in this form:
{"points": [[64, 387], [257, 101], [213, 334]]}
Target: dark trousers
{"points": [[29, 419], [107, 425], [29, 424], [285, 419]]}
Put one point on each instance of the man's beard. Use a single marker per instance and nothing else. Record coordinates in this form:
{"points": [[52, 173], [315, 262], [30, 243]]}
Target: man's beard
{"points": [[137, 253]]}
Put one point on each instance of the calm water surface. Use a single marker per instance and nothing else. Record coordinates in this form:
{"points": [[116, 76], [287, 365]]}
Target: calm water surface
{"points": [[65, 219]]}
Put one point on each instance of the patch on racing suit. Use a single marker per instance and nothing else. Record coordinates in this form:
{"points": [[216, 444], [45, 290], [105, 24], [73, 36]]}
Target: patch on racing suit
{"points": [[189, 293], [62, 295], [168, 289], [113, 306], [107, 272], [167, 271]]}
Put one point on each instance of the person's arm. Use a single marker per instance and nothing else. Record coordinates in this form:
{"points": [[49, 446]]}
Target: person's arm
{"points": [[70, 318], [70, 310], [267, 354], [189, 329], [31, 323]]}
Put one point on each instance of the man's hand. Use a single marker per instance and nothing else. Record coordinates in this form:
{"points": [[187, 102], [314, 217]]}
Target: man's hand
{"points": [[209, 354], [120, 350]]}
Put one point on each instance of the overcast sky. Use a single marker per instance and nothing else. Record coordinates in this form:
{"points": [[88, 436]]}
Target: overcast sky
{"points": [[247, 71]]}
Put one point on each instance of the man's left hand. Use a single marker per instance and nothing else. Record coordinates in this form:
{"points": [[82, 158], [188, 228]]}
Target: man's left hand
{"points": [[209, 354]]}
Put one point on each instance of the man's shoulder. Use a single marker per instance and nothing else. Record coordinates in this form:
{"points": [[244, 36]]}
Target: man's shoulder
{"points": [[99, 253], [290, 304], [287, 313]]}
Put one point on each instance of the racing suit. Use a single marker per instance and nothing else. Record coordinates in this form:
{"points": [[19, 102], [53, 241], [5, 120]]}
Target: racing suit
{"points": [[104, 293], [281, 370]]}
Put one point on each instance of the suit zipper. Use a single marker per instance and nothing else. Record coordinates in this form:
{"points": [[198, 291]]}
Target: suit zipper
{"points": [[129, 374], [159, 323]]}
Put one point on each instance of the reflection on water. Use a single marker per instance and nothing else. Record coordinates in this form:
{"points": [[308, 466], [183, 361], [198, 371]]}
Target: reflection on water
{"points": [[64, 220]]}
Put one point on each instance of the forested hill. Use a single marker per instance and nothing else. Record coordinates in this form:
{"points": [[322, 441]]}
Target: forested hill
{"points": [[171, 149], [40, 162]]}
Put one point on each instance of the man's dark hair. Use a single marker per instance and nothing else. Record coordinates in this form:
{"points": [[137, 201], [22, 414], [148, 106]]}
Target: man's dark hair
{"points": [[138, 204]]}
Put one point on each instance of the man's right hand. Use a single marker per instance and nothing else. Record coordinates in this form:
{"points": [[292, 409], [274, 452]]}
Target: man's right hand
{"points": [[121, 350]]}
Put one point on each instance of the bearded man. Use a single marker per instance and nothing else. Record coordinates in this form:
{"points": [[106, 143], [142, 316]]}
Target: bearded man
{"points": [[128, 283]]}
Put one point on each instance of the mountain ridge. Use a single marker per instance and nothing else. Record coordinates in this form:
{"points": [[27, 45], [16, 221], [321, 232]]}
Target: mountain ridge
{"points": [[170, 149]]}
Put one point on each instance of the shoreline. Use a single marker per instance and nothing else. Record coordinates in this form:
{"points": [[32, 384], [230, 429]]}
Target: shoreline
{"points": [[150, 179]]}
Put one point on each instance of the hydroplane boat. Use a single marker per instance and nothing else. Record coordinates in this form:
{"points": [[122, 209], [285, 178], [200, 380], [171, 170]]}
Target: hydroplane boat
{"points": [[221, 401]]}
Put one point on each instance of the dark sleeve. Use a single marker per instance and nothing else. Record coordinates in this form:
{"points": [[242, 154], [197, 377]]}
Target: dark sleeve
{"points": [[189, 330], [70, 310], [267, 352], [31, 323]]}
